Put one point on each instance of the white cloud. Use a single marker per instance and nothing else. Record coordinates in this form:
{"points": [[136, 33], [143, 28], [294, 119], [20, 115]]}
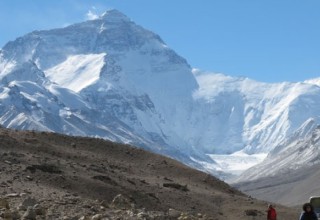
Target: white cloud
{"points": [[92, 15], [66, 25]]}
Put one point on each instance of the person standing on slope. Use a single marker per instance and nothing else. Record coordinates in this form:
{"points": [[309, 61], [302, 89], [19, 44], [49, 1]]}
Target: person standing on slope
{"points": [[308, 212], [272, 214]]}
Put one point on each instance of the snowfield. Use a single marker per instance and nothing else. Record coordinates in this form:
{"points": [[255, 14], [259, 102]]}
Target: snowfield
{"points": [[237, 162], [77, 72]]}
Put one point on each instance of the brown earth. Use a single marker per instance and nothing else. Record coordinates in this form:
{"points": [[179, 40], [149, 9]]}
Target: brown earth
{"points": [[77, 177]]}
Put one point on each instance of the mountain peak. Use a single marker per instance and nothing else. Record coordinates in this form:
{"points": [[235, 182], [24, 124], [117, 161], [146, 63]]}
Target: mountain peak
{"points": [[114, 15]]}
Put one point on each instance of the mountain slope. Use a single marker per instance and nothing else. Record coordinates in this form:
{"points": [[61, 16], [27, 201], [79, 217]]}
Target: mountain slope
{"points": [[110, 68], [76, 176], [289, 175], [291, 189], [257, 116], [302, 150], [113, 79]]}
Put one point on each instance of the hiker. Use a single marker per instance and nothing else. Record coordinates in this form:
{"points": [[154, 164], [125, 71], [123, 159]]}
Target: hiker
{"points": [[272, 214], [308, 212]]}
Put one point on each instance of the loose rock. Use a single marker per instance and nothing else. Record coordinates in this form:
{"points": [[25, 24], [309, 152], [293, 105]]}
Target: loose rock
{"points": [[121, 202], [96, 217], [174, 213]]}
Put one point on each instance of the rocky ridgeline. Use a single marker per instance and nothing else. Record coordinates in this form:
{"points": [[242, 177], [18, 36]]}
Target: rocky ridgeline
{"points": [[120, 208]]}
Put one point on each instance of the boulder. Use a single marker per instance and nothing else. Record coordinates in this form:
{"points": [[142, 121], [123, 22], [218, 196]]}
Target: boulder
{"points": [[121, 202], [30, 214], [29, 202], [39, 210]]}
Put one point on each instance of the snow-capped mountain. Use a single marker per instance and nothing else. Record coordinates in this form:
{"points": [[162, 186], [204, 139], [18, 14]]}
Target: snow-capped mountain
{"points": [[290, 174], [111, 78], [107, 77], [300, 151], [254, 116]]}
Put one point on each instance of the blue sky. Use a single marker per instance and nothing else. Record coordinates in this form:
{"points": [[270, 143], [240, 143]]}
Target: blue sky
{"points": [[270, 40]]}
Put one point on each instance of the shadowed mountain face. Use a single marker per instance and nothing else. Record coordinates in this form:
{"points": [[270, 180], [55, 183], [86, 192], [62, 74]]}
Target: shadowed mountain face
{"points": [[72, 176]]}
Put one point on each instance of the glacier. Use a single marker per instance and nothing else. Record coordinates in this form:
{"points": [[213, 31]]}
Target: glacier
{"points": [[113, 79], [300, 151]]}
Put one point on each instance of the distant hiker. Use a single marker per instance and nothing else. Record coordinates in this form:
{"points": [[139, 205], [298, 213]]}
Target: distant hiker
{"points": [[308, 212], [272, 214]]}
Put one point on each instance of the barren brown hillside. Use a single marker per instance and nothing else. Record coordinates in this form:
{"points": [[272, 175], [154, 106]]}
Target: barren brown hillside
{"points": [[78, 178]]}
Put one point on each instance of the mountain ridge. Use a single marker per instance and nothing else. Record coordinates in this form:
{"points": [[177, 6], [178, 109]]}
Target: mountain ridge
{"points": [[288, 175], [112, 78]]}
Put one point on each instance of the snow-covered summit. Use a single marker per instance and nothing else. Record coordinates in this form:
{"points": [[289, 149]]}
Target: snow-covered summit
{"points": [[114, 15], [111, 78], [315, 81], [48, 48]]}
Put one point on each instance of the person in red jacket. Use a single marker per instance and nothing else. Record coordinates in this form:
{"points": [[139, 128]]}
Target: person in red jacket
{"points": [[272, 214]]}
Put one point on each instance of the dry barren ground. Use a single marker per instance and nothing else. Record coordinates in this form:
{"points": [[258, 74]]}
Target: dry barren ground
{"points": [[52, 176]]}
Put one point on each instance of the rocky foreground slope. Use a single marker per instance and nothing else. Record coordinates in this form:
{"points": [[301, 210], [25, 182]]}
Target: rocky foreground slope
{"points": [[51, 176]]}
